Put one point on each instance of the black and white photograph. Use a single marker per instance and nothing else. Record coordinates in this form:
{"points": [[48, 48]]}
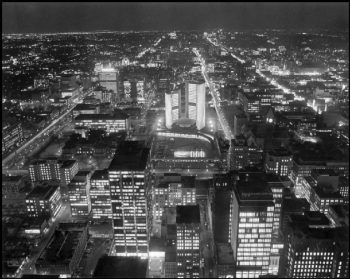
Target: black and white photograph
{"points": [[175, 139]]}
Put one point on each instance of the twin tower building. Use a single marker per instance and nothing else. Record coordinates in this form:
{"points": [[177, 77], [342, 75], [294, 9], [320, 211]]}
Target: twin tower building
{"points": [[185, 105]]}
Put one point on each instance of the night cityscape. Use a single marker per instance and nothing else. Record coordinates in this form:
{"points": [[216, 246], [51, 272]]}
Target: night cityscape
{"points": [[175, 140]]}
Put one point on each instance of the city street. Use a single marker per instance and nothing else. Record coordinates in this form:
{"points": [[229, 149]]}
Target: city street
{"points": [[63, 215]]}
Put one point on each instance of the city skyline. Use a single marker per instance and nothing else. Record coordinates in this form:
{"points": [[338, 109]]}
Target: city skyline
{"points": [[142, 16], [206, 153]]}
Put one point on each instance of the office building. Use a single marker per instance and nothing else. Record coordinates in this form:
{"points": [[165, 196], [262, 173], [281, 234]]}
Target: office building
{"points": [[140, 89], [186, 105], [244, 152], [252, 224], [187, 241], [344, 188], [169, 193], [222, 215], [128, 178], [315, 251], [79, 194], [44, 169], [44, 200], [100, 196], [108, 78], [68, 169], [279, 161], [12, 136], [111, 123]]}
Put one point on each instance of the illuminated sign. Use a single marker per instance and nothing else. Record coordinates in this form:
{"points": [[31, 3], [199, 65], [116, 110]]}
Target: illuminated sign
{"points": [[32, 231], [189, 154]]}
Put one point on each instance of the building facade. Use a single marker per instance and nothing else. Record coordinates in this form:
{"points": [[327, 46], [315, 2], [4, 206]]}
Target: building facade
{"points": [[186, 102]]}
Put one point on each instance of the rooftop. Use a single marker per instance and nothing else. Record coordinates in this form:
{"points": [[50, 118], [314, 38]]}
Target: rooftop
{"points": [[42, 193], [131, 155], [67, 163], [120, 267], [62, 244], [12, 179], [118, 115], [224, 254], [85, 107], [253, 189], [187, 214], [100, 175]]}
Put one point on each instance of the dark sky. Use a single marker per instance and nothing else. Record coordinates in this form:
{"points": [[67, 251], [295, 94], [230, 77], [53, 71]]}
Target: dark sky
{"points": [[91, 16]]}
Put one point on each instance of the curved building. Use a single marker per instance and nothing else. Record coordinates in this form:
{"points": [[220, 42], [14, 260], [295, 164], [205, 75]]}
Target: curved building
{"points": [[186, 105]]}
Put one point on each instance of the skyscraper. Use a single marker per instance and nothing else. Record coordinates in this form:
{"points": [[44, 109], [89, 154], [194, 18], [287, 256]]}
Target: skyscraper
{"points": [[187, 241], [108, 78], [128, 180], [187, 102], [100, 196], [252, 223]]}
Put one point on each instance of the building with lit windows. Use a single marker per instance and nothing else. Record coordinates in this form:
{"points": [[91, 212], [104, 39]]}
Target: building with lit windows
{"points": [[315, 252], [243, 153], [187, 241], [252, 224], [108, 78], [186, 105], [344, 188], [117, 122], [12, 135], [128, 178], [79, 194], [178, 191], [44, 201], [140, 90], [100, 196], [41, 170], [68, 169], [127, 90], [250, 102], [279, 161], [302, 167]]}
